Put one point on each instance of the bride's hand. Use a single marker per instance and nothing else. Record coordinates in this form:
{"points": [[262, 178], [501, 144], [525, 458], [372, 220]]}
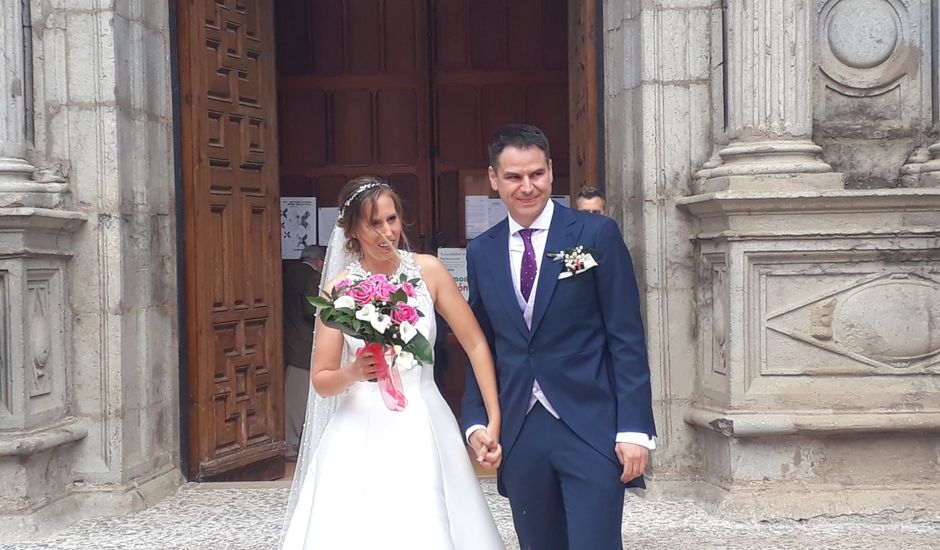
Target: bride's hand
{"points": [[362, 369], [494, 455]]}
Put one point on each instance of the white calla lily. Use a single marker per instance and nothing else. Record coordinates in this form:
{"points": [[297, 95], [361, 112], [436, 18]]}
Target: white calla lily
{"points": [[366, 313], [380, 322], [407, 331], [345, 302]]}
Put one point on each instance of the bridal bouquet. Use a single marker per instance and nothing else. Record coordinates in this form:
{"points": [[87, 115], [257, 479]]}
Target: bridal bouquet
{"points": [[383, 313]]}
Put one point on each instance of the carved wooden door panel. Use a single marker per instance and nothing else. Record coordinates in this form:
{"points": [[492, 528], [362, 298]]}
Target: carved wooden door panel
{"points": [[232, 256], [353, 89]]}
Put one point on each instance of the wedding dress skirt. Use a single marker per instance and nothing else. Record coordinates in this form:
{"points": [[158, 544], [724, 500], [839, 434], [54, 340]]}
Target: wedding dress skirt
{"points": [[392, 480]]}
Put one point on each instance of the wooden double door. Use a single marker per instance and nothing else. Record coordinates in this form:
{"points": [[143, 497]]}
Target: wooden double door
{"points": [[294, 97], [411, 90]]}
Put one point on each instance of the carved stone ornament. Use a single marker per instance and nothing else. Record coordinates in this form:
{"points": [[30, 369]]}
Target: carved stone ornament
{"points": [[39, 341], [888, 320], [720, 301], [865, 45], [40, 334]]}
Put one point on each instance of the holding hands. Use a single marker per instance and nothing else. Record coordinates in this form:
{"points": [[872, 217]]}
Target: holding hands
{"points": [[486, 447]]}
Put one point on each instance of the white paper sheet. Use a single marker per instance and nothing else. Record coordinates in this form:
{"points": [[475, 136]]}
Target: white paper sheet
{"points": [[298, 225], [476, 215], [326, 219], [455, 260]]}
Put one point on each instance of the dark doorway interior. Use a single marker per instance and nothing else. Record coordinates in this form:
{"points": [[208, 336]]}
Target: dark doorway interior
{"points": [[411, 90]]}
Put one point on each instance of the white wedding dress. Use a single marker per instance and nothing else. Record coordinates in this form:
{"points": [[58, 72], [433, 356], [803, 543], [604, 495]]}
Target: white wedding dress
{"points": [[392, 480]]}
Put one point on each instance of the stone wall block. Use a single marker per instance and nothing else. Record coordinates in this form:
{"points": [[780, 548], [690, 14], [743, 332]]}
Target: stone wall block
{"points": [[128, 50], [614, 14], [673, 66], [92, 152], [700, 128], [698, 34], [157, 101], [52, 128], [86, 32]]}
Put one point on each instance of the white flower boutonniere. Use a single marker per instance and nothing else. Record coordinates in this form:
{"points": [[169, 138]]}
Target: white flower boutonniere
{"points": [[576, 260]]}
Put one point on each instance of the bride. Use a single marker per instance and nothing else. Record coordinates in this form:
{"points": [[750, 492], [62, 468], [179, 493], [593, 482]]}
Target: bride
{"points": [[369, 477]]}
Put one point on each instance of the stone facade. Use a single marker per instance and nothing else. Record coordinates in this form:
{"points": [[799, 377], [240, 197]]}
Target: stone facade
{"points": [[775, 166], [89, 406], [774, 163]]}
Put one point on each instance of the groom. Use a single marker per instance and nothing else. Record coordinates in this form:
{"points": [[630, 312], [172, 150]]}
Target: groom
{"points": [[567, 337]]}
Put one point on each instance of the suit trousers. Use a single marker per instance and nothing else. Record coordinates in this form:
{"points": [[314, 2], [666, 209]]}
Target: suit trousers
{"points": [[564, 494], [296, 388]]}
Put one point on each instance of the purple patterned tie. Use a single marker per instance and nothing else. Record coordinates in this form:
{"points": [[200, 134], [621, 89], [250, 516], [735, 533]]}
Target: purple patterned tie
{"points": [[529, 267]]}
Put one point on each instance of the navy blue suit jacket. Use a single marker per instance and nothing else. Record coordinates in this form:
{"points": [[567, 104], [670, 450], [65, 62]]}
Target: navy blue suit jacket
{"points": [[586, 345]]}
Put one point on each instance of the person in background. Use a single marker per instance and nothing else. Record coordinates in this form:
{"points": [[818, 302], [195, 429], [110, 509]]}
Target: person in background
{"points": [[591, 199], [301, 279]]}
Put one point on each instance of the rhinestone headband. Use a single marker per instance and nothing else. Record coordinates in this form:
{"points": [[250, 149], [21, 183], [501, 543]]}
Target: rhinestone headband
{"points": [[359, 191]]}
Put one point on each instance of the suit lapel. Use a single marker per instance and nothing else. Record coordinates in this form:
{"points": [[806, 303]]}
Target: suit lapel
{"points": [[562, 233], [500, 270]]}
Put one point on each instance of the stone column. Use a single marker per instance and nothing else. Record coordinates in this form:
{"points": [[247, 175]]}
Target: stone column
{"points": [[13, 166], [768, 90], [923, 168]]}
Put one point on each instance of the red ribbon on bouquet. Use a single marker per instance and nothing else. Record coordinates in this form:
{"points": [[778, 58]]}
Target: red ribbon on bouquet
{"points": [[388, 378]]}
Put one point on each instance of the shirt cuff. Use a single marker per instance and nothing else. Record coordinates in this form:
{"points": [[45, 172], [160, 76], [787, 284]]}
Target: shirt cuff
{"points": [[472, 429], [635, 438]]}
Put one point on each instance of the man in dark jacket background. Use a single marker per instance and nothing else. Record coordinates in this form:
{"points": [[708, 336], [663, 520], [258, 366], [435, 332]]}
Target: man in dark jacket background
{"points": [[301, 279]]}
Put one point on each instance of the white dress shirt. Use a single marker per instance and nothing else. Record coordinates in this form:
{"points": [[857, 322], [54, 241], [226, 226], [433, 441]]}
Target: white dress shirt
{"points": [[539, 237]]}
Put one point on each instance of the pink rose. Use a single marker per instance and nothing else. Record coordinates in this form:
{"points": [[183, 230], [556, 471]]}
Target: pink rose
{"points": [[341, 285], [409, 289], [363, 292], [377, 279], [403, 312], [384, 290]]}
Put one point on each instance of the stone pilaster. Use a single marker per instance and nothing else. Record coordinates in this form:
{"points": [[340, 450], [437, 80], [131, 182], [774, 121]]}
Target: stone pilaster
{"points": [[768, 90], [13, 165], [20, 184]]}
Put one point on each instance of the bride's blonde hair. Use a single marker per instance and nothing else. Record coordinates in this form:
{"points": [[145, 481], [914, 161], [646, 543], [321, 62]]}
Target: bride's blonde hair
{"points": [[357, 202]]}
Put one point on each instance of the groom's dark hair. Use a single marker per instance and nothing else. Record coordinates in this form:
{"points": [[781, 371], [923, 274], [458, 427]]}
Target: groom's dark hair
{"points": [[521, 136]]}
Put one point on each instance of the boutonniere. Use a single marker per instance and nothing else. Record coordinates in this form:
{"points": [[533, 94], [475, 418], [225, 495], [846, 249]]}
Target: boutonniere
{"points": [[575, 260]]}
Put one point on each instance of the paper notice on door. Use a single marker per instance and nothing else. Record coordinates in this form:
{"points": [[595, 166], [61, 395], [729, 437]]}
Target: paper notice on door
{"points": [[298, 225], [476, 215], [497, 211], [455, 260], [326, 219]]}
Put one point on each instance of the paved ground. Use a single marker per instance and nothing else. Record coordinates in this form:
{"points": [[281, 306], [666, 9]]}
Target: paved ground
{"points": [[208, 517]]}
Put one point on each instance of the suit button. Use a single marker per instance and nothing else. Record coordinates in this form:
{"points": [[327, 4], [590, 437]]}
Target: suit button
{"points": [[531, 352]]}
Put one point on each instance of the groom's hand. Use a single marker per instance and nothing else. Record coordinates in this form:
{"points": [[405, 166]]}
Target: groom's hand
{"points": [[488, 451], [634, 459]]}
